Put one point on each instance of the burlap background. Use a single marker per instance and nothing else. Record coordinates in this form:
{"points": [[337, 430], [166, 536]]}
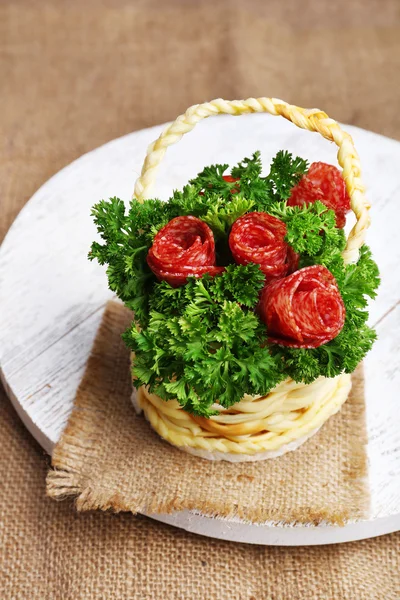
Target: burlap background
{"points": [[75, 74], [110, 458]]}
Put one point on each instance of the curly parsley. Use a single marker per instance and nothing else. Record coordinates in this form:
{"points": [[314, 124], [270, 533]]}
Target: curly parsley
{"points": [[204, 342]]}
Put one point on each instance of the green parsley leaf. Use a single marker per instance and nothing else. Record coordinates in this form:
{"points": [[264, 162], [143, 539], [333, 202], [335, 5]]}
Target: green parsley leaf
{"points": [[222, 215], [205, 344], [285, 173], [124, 250]]}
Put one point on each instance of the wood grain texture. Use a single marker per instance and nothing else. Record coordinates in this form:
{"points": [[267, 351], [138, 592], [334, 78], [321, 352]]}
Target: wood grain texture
{"points": [[45, 342]]}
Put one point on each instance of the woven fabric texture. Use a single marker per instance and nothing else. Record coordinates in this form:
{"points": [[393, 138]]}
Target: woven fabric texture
{"points": [[49, 552]]}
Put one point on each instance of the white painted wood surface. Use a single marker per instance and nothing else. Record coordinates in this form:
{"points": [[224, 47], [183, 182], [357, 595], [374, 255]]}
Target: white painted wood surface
{"points": [[52, 298]]}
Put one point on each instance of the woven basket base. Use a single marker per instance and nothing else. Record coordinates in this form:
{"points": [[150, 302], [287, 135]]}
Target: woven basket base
{"points": [[331, 407], [234, 458]]}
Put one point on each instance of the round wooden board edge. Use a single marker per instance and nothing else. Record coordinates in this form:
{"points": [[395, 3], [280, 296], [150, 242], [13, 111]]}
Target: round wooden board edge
{"points": [[235, 530], [271, 534]]}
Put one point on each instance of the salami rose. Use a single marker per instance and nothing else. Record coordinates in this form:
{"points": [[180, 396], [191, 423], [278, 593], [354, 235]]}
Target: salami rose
{"points": [[183, 247], [325, 183], [260, 238], [303, 310]]}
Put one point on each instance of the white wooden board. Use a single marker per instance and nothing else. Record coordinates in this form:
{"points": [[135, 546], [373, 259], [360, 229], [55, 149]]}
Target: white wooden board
{"points": [[52, 298]]}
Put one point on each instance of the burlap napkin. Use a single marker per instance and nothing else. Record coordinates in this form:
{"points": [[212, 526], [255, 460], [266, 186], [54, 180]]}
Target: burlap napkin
{"points": [[50, 552], [108, 457]]}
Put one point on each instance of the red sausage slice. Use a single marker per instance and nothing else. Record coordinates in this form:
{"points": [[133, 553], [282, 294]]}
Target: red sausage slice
{"points": [[260, 238], [183, 247], [325, 183], [303, 310]]}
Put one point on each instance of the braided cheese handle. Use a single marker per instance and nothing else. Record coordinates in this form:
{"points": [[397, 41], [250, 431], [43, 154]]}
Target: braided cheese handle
{"points": [[311, 119]]}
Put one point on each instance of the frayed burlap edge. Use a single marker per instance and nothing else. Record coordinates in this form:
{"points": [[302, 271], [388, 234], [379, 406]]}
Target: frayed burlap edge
{"points": [[86, 426]]}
